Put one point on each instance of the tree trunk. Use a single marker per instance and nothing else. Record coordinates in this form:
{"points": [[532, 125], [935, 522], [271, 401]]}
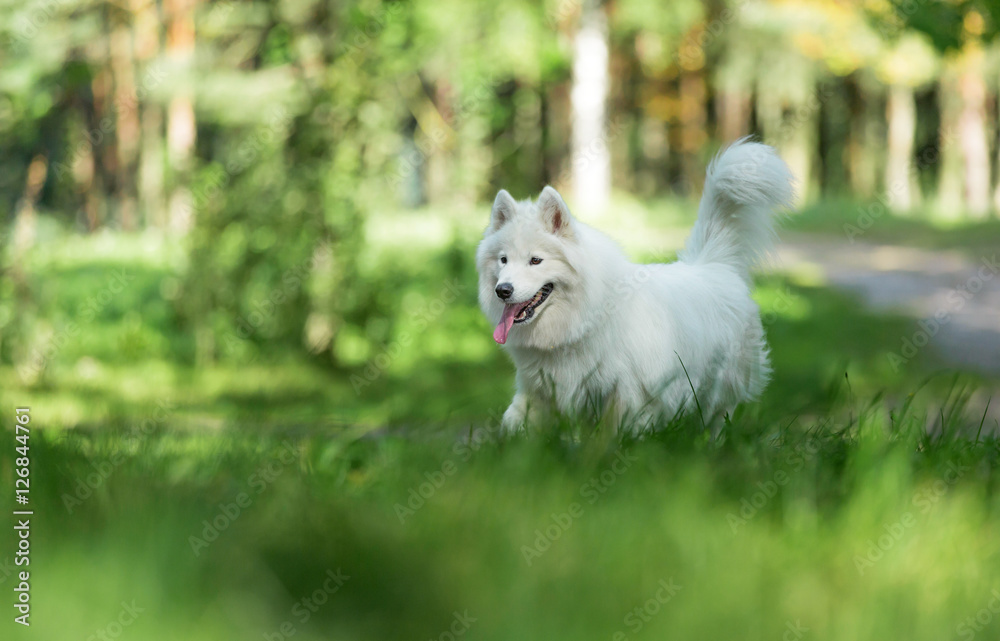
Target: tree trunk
{"points": [[127, 125], [950, 175], [996, 190], [799, 147], [93, 159], [23, 237], [180, 111], [693, 103], [150, 170], [972, 137], [862, 159], [789, 122], [901, 114], [732, 111], [834, 137], [591, 158]]}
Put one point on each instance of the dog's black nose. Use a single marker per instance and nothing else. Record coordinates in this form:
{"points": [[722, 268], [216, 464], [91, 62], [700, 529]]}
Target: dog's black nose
{"points": [[505, 290]]}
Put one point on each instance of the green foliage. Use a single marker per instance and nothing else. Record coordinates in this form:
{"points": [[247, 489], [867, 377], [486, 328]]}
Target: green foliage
{"points": [[297, 278], [853, 524], [113, 351], [949, 24], [311, 119]]}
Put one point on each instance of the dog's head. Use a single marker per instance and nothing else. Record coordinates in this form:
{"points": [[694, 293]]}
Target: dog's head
{"points": [[526, 274]]}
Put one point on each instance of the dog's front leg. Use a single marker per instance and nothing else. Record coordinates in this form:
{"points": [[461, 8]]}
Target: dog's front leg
{"points": [[515, 416], [524, 410]]}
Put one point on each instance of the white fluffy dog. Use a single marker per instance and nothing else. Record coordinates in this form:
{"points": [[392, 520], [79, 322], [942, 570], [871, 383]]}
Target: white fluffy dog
{"points": [[590, 331]]}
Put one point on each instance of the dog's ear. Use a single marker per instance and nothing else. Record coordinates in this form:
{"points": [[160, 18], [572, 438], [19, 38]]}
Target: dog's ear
{"points": [[504, 207], [555, 214]]}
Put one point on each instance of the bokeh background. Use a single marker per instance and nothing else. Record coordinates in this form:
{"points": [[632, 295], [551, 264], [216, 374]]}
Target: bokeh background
{"points": [[235, 229]]}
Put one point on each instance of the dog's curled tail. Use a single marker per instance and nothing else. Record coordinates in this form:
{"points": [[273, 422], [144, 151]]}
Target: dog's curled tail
{"points": [[744, 187]]}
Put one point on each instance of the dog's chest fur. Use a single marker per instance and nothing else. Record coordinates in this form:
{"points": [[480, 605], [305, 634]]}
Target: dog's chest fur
{"points": [[571, 376]]}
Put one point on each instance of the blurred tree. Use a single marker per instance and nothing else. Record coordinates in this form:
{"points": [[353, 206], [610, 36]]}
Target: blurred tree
{"points": [[790, 46], [127, 126], [181, 128], [269, 131], [670, 43], [25, 215], [906, 64], [149, 174], [972, 131], [590, 156], [93, 169], [734, 87], [950, 194], [960, 30], [946, 23]]}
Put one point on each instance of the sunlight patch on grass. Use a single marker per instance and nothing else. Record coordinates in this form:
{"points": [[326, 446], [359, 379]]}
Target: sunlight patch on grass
{"points": [[151, 248], [775, 299], [806, 274], [657, 230]]}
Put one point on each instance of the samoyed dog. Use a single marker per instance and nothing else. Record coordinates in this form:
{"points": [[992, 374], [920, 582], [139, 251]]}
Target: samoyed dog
{"points": [[591, 332]]}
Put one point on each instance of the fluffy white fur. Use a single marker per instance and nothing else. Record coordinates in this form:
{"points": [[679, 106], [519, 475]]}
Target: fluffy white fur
{"points": [[614, 334]]}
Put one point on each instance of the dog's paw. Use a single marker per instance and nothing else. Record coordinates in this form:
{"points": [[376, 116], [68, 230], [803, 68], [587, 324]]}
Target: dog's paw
{"points": [[513, 420]]}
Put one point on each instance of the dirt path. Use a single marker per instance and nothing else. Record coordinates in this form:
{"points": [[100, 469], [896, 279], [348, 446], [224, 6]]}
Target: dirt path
{"points": [[954, 298]]}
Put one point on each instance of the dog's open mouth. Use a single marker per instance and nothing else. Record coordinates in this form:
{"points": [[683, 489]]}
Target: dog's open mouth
{"points": [[527, 310], [520, 313]]}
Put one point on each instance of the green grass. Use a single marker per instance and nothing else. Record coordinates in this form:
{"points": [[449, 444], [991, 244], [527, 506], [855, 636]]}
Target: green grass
{"points": [[551, 536], [872, 222], [761, 533], [134, 352]]}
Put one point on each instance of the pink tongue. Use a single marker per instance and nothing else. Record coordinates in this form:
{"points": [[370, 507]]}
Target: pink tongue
{"points": [[506, 322]]}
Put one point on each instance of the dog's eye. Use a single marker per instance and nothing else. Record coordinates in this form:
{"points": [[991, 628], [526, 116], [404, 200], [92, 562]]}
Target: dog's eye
{"points": [[536, 260], [503, 259]]}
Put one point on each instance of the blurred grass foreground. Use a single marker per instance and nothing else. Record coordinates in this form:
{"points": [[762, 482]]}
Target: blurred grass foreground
{"points": [[238, 295]]}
